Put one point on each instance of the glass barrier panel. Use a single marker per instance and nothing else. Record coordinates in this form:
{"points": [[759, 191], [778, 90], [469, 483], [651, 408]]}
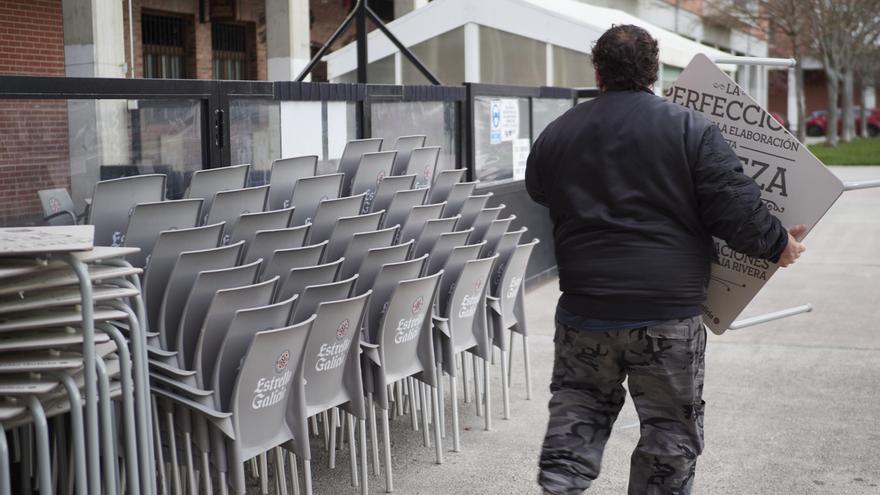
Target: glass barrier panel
{"points": [[501, 138], [320, 128], [437, 120], [255, 135], [546, 110], [507, 58], [443, 55]]}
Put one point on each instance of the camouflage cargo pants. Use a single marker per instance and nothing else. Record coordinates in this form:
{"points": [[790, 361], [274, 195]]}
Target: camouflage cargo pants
{"points": [[665, 368]]}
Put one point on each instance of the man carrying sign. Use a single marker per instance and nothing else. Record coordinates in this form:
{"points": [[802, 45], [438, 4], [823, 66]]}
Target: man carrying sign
{"points": [[637, 187]]}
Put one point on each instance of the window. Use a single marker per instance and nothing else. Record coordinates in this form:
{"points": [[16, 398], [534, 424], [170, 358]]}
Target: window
{"points": [[229, 42], [166, 41]]}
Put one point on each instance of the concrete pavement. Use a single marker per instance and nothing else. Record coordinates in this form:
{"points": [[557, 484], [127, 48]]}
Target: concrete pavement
{"points": [[793, 406]]}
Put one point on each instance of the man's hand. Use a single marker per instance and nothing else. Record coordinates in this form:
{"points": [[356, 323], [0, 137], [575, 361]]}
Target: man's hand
{"points": [[794, 248]]}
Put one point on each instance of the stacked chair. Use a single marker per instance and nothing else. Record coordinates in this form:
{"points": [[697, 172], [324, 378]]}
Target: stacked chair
{"points": [[247, 326]]}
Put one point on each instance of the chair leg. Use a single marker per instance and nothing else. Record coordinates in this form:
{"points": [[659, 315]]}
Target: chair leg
{"points": [[160, 461], [5, 488], [280, 474], [478, 395], [486, 381], [172, 454], [333, 439], [224, 485], [442, 394], [294, 472], [438, 445], [505, 385], [264, 474], [374, 435], [190, 466], [528, 367], [456, 438], [464, 379], [413, 400], [362, 445], [325, 420], [386, 440], [108, 440], [423, 396], [349, 420], [307, 476], [314, 426], [510, 356], [41, 433], [206, 473]]}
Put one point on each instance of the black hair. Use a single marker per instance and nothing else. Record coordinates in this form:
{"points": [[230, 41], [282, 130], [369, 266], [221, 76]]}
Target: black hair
{"points": [[626, 58]]}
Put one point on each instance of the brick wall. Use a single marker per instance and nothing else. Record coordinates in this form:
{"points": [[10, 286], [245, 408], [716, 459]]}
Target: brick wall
{"points": [[33, 133]]}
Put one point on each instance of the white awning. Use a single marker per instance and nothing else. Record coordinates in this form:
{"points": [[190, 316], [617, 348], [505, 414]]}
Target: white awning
{"points": [[566, 23]]}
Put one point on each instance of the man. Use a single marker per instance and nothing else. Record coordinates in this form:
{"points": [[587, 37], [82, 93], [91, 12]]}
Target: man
{"points": [[636, 187]]}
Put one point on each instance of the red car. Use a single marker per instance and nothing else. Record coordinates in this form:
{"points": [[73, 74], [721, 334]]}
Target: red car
{"points": [[817, 122]]}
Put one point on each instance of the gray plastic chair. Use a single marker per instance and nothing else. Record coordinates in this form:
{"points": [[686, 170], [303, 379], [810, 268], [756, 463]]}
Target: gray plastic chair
{"points": [[161, 262], [431, 232], [283, 176], [208, 182], [250, 223], [180, 283], [459, 193], [443, 247], [372, 169], [422, 163], [205, 286], [452, 268], [308, 193], [494, 234], [329, 211], [148, 220], [383, 284], [482, 221], [444, 180], [375, 259], [113, 201], [418, 216], [267, 242], [351, 158], [313, 295], [404, 146], [360, 244], [283, 260], [401, 204], [57, 205], [229, 205], [471, 208], [299, 278], [388, 187], [346, 228], [506, 292]]}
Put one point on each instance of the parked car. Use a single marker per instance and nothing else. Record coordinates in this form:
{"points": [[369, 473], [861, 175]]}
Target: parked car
{"points": [[817, 122], [781, 119]]}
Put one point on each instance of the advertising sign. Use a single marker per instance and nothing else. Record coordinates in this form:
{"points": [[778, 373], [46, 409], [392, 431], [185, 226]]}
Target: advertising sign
{"points": [[796, 187]]}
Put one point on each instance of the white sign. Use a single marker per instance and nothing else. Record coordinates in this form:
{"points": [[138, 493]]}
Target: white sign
{"points": [[503, 120], [795, 185], [521, 148]]}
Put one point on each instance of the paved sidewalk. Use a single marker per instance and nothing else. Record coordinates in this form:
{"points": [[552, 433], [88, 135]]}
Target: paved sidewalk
{"points": [[793, 406]]}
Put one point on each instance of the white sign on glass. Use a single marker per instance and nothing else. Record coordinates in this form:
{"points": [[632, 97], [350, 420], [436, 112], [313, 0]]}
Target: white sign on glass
{"points": [[795, 185], [503, 120], [521, 148]]}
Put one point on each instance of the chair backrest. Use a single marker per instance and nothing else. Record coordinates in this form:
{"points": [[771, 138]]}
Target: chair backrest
{"points": [[401, 204], [459, 193], [222, 308], [113, 201], [471, 208], [161, 261], [417, 218], [208, 182], [244, 325], [508, 280], [455, 263], [388, 187], [386, 280], [422, 163], [467, 304], [329, 211], [404, 146], [373, 168], [180, 283], [431, 232], [250, 223], [404, 337], [443, 182], [332, 356], [283, 260], [262, 387], [375, 259], [299, 278], [494, 233], [313, 295], [206, 285], [360, 244], [482, 221], [285, 173], [308, 193], [55, 201], [229, 205], [351, 157], [442, 248], [346, 228], [267, 242], [509, 241], [148, 220]]}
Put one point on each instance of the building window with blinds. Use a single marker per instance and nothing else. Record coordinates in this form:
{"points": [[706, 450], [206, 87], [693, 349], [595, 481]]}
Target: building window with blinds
{"points": [[167, 42], [230, 46]]}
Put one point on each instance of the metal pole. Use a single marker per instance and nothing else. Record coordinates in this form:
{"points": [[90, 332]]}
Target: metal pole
{"points": [[862, 184], [333, 38], [756, 320], [762, 61], [361, 30], [403, 49]]}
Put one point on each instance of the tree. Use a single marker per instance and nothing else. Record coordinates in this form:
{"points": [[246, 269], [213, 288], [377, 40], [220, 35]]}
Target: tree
{"points": [[867, 70], [786, 18]]}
